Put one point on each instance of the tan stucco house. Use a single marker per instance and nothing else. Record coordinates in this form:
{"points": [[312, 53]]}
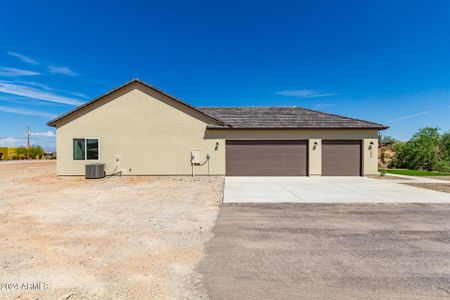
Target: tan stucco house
{"points": [[137, 129]]}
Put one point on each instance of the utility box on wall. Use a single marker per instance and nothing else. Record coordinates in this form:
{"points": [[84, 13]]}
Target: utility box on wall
{"points": [[195, 157]]}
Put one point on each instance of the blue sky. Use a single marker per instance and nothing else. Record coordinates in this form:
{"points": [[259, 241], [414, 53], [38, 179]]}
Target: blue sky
{"points": [[385, 61]]}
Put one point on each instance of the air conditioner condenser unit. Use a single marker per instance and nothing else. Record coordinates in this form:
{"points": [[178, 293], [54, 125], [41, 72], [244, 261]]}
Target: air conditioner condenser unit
{"points": [[95, 171]]}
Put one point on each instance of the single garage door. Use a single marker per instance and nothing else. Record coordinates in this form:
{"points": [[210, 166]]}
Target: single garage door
{"points": [[341, 158], [266, 158]]}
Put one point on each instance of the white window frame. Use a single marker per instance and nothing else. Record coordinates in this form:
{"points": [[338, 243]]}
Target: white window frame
{"points": [[85, 148]]}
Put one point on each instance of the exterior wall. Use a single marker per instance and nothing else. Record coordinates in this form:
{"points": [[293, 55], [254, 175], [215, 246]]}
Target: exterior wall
{"points": [[370, 156], [294, 134], [4, 153], [8, 153], [12, 152], [315, 157], [141, 132]]}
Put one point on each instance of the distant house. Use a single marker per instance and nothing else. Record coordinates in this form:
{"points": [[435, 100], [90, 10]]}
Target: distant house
{"points": [[7, 153], [137, 129]]}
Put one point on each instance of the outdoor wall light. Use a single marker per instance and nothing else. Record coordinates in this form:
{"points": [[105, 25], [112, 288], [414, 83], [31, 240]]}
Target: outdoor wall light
{"points": [[217, 146], [315, 145]]}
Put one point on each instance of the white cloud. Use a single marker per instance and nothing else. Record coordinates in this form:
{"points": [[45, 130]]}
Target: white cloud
{"points": [[61, 70], [36, 84], [304, 93], [410, 116], [26, 112], [12, 142], [31, 92], [23, 58], [17, 72], [47, 134], [46, 87], [47, 144]]}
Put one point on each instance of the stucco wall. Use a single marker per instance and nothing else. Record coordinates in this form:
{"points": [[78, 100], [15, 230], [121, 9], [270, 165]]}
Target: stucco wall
{"points": [[141, 132], [315, 157], [369, 156], [300, 134]]}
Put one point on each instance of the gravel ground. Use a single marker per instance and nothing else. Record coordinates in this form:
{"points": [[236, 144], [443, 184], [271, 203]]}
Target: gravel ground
{"points": [[329, 251], [388, 177], [440, 187], [446, 178], [117, 238]]}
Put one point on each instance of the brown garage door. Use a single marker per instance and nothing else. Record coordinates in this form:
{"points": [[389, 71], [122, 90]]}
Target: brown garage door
{"points": [[341, 158], [266, 158]]}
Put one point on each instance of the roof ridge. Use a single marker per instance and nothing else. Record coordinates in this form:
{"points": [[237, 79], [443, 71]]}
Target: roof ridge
{"points": [[254, 106]]}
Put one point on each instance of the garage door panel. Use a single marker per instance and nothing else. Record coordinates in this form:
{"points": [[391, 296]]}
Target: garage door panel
{"points": [[266, 158], [341, 158]]}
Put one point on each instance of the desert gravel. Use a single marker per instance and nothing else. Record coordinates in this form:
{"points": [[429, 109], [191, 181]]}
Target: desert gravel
{"points": [[440, 187], [116, 238]]}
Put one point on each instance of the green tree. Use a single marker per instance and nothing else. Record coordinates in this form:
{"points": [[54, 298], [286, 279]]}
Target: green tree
{"points": [[388, 140], [445, 142], [21, 151], [34, 151], [426, 150]]}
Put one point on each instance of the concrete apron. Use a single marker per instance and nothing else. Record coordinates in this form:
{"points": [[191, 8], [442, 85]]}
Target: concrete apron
{"points": [[328, 190]]}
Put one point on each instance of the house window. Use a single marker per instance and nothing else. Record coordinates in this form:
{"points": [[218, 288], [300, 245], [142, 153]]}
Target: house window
{"points": [[91, 149], [85, 149], [79, 149]]}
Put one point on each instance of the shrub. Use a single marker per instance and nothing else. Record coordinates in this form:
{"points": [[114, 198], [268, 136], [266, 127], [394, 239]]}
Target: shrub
{"points": [[387, 140], [35, 151], [426, 150]]}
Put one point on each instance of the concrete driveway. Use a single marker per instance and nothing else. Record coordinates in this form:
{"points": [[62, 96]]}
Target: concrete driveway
{"points": [[329, 190]]}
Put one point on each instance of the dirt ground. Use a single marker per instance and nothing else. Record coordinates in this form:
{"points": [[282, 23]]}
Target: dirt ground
{"points": [[329, 251], [156, 238], [440, 187], [387, 177], [446, 178], [121, 237]]}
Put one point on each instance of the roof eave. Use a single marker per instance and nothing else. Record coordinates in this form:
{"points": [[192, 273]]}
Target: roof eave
{"points": [[292, 128]]}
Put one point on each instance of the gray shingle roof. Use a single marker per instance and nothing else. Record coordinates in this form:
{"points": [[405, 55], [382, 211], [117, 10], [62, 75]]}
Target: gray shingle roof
{"points": [[283, 117]]}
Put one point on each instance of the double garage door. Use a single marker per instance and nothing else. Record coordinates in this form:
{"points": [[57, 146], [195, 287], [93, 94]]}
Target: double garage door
{"points": [[266, 158], [290, 158]]}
